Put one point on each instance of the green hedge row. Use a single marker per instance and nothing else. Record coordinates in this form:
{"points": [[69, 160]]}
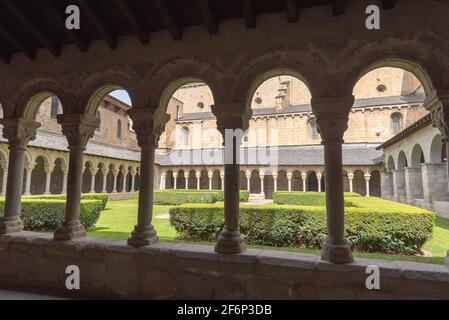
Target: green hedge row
{"points": [[47, 214], [307, 198], [86, 196], [178, 196], [375, 226]]}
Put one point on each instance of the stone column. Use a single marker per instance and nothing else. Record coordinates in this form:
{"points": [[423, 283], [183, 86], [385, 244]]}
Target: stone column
{"points": [[248, 180], [289, 180], [210, 175], [332, 121], [115, 175], [413, 184], [29, 167], [351, 181], [400, 192], [186, 178], [18, 132], [262, 186], [78, 129], [175, 182], [105, 172], [93, 173], [275, 181], [232, 121], [148, 129], [163, 177], [198, 179], [367, 179], [65, 171], [319, 176], [222, 176], [4, 165], [434, 181], [439, 108], [386, 183], [304, 181], [48, 170], [133, 180]]}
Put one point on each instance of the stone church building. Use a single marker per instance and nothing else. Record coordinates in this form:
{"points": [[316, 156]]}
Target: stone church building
{"points": [[190, 153]]}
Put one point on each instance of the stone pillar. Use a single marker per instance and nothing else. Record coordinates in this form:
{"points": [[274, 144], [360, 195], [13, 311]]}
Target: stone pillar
{"points": [[386, 185], [133, 180], [175, 182], [18, 132], [186, 178], [332, 121], [232, 121], [351, 181], [198, 179], [262, 186], [275, 181], [148, 129], [289, 180], [434, 181], [105, 172], [163, 177], [115, 175], [29, 170], [319, 176], [413, 184], [438, 104], [222, 176], [248, 180], [400, 192], [93, 173], [367, 179], [210, 175], [78, 129], [304, 181], [4, 165], [65, 171], [48, 170]]}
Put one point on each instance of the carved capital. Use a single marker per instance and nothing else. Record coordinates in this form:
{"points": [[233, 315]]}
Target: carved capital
{"points": [[48, 168], [440, 120], [231, 116], [18, 131], [78, 128], [332, 116], [148, 125]]}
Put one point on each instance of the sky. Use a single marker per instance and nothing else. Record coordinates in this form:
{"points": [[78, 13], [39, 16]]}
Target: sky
{"points": [[122, 95]]}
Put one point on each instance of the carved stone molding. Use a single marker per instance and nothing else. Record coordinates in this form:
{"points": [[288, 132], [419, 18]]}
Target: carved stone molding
{"points": [[440, 120], [231, 116], [148, 125], [78, 128], [332, 115], [19, 131]]}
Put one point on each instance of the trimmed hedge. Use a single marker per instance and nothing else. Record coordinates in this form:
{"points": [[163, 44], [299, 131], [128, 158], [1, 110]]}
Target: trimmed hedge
{"points": [[178, 196], [374, 226], [47, 214], [307, 198], [86, 196]]}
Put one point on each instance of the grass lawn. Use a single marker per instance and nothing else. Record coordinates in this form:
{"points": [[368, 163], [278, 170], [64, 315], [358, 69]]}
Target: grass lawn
{"points": [[119, 218]]}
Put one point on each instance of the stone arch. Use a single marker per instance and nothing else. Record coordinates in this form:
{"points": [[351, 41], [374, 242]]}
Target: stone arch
{"points": [[204, 179], [181, 180], [374, 183], [110, 177], [402, 160], [436, 149], [216, 180], [312, 181], [57, 176], [87, 176], [297, 183], [390, 164], [38, 175], [191, 183], [359, 183], [417, 156], [242, 181], [99, 176], [255, 186], [282, 182], [169, 180], [122, 172]]}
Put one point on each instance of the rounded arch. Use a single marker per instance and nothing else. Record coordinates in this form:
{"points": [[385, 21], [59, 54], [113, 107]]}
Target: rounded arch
{"points": [[417, 157], [390, 164], [402, 160], [100, 93], [436, 148]]}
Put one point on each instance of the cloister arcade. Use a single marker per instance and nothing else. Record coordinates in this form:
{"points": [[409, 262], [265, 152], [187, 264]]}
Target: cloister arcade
{"points": [[362, 180]]}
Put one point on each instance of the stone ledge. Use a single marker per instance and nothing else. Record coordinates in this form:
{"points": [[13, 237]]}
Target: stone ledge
{"points": [[112, 269]]}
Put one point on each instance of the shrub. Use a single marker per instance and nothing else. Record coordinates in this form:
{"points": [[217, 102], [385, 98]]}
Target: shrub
{"points": [[48, 214], [374, 225], [243, 197], [307, 198], [175, 197], [86, 196]]}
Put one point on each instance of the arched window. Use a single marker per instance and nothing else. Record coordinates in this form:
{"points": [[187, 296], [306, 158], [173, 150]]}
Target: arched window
{"points": [[98, 115], [313, 131], [185, 136], [396, 122], [54, 106], [119, 128]]}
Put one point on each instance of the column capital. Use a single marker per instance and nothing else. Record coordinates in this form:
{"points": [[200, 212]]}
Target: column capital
{"points": [[186, 174], [175, 174], [30, 166], [350, 175], [148, 125], [4, 164], [93, 171], [48, 168], [440, 120], [332, 115], [303, 175], [231, 115], [78, 128], [210, 174], [18, 131], [198, 174]]}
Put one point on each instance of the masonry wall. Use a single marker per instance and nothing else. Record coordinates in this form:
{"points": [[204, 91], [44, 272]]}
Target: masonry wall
{"points": [[111, 269]]}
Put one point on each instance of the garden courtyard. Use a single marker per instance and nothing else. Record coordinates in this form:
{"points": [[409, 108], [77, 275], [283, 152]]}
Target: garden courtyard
{"points": [[117, 220]]}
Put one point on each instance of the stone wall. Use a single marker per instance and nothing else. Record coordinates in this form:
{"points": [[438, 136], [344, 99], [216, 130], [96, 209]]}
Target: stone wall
{"points": [[111, 269]]}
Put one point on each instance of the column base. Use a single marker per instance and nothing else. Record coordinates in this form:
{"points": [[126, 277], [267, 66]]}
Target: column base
{"points": [[10, 225], [143, 236], [230, 242], [338, 252], [70, 231]]}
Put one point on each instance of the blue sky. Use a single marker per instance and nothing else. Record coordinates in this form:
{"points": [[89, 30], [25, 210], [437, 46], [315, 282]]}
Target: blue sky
{"points": [[121, 95]]}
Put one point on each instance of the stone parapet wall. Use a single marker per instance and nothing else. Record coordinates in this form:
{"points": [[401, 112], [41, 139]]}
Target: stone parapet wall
{"points": [[113, 269]]}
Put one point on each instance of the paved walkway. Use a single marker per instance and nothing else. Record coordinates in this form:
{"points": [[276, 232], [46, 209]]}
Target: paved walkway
{"points": [[18, 295]]}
